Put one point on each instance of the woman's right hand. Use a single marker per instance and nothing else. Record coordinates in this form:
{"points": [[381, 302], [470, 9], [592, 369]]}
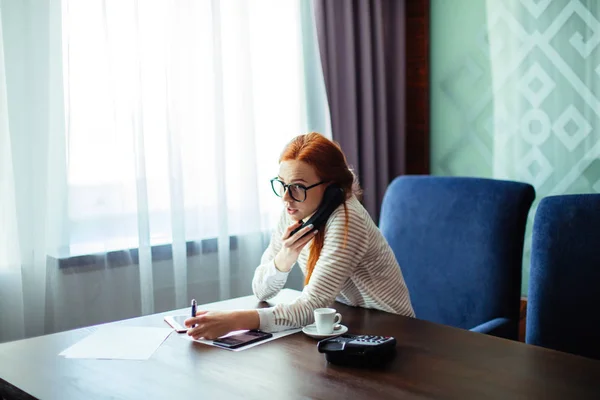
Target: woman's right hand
{"points": [[292, 246]]}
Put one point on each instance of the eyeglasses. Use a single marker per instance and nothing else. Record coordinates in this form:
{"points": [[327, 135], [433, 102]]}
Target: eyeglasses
{"points": [[296, 190]]}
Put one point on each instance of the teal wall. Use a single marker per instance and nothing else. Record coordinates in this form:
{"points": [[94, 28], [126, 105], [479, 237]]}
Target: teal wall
{"points": [[515, 94], [460, 72]]}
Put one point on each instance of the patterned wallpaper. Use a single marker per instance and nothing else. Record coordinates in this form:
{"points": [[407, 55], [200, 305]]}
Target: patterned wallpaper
{"points": [[515, 94]]}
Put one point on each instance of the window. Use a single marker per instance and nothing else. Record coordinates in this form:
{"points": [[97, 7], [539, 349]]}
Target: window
{"points": [[176, 112]]}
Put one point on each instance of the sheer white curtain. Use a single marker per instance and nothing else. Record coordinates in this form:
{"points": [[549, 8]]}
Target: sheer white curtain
{"points": [[11, 315], [136, 157]]}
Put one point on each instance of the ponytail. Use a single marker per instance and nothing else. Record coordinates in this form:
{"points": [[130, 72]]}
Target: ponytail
{"points": [[317, 246]]}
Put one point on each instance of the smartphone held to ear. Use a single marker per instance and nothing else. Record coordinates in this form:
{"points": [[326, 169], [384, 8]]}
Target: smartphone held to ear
{"points": [[332, 198]]}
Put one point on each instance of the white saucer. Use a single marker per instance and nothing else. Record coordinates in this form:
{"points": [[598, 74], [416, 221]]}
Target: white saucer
{"points": [[311, 330]]}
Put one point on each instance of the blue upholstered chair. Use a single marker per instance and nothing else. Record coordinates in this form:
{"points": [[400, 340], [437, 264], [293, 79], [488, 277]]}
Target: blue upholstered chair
{"points": [[563, 305], [459, 242]]}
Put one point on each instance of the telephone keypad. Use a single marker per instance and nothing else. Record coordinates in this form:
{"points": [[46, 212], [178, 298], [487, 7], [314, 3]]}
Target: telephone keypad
{"points": [[368, 340]]}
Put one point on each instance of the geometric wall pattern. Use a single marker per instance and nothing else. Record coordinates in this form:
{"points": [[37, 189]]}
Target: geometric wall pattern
{"points": [[515, 94]]}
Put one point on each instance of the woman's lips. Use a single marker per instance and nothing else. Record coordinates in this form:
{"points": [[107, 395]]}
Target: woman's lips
{"points": [[292, 211]]}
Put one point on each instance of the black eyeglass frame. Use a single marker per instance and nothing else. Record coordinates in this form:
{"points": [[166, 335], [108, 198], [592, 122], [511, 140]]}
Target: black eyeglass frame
{"points": [[298, 185]]}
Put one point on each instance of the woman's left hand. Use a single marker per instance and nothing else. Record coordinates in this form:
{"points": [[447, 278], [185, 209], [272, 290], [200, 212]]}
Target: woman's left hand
{"points": [[214, 324]]}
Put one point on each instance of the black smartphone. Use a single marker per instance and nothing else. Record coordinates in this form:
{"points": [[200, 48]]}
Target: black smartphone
{"points": [[332, 198], [242, 339]]}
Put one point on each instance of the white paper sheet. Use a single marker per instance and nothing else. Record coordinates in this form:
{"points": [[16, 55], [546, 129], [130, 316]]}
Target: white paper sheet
{"points": [[119, 343], [276, 335]]}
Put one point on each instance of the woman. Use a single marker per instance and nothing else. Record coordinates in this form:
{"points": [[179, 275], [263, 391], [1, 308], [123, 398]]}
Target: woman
{"points": [[348, 259]]}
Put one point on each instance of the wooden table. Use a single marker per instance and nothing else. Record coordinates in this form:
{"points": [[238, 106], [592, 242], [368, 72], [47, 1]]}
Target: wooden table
{"points": [[433, 361]]}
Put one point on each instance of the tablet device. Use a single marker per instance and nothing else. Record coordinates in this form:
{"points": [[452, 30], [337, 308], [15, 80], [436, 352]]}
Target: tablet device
{"points": [[242, 339], [177, 322]]}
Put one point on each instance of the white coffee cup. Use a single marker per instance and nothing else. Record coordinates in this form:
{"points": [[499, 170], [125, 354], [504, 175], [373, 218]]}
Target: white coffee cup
{"points": [[326, 319]]}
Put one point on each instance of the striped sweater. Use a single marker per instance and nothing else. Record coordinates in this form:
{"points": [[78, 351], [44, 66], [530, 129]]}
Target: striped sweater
{"points": [[364, 273]]}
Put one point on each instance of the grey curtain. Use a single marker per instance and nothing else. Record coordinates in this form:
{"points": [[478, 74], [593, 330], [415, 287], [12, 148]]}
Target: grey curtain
{"points": [[362, 48]]}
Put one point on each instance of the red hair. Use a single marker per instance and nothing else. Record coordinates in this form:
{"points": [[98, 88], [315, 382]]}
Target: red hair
{"points": [[329, 162]]}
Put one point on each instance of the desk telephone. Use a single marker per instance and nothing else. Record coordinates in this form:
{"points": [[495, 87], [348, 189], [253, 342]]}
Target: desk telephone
{"points": [[358, 350], [332, 198]]}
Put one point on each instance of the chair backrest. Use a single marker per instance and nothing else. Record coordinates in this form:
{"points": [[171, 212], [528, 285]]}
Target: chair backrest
{"points": [[459, 243], [563, 304]]}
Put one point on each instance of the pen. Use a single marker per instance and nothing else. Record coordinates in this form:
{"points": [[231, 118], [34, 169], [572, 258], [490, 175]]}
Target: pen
{"points": [[194, 304]]}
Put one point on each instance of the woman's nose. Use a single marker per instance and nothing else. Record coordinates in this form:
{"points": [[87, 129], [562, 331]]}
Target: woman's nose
{"points": [[286, 196]]}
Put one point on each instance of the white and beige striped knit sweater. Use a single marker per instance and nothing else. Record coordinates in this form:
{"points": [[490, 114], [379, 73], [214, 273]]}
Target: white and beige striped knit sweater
{"points": [[364, 273]]}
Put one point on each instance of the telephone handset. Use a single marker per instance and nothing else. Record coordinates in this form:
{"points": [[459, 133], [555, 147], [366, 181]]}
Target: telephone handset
{"points": [[332, 198], [358, 350]]}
